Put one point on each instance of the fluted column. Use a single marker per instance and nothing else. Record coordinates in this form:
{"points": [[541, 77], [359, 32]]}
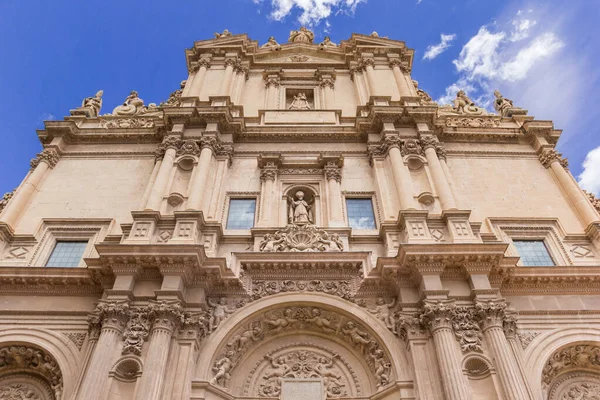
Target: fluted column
{"points": [[170, 145], [333, 175], [401, 173], [396, 65], [272, 84], [165, 317], [491, 315], [268, 174], [241, 75], [112, 317], [369, 65], [552, 159], [45, 160], [437, 316], [356, 76], [200, 177], [437, 173], [199, 70], [225, 89], [510, 331]]}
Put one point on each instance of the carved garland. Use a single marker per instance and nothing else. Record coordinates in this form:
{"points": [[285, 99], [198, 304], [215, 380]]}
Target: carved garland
{"points": [[579, 356], [301, 319], [262, 288]]}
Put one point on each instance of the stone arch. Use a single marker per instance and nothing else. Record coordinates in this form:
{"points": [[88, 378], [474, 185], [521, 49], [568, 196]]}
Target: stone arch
{"points": [[237, 338], [539, 351], [56, 345]]}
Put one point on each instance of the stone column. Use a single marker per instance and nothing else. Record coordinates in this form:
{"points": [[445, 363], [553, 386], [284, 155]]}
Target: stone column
{"points": [[333, 175], [357, 78], [491, 314], [327, 83], [437, 173], [199, 70], [169, 145], [230, 62], [397, 68], [441, 153], [112, 317], [157, 163], [401, 173], [200, 177], [437, 316], [45, 160], [240, 79], [369, 65], [268, 174], [190, 335], [552, 159], [272, 84], [510, 331], [165, 317]]}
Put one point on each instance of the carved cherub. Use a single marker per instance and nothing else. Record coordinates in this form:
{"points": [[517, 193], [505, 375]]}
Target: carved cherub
{"points": [[382, 312], [280, 323], [382, 368], [252, 334], [271, 242], [220, 311], [222, 368], [359, 338], [323, 368], [278, 368], [320, 322]]}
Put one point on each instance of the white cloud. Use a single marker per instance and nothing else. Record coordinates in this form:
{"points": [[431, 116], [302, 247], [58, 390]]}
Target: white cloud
{"points": [[312, 11], [541, 47], [435, 50], [589, 179], [479, 57], [521, 28]]}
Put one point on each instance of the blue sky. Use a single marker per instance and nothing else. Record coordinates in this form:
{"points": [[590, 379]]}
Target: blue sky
{"points": [[541, 54]]}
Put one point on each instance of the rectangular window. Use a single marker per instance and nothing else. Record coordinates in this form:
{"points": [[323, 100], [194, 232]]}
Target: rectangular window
{"points": [[533, 253], [67, 254], [360, 213], [241, 213]]}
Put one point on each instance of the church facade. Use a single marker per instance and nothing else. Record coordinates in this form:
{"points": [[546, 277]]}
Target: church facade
{"points": [[299, 221]]}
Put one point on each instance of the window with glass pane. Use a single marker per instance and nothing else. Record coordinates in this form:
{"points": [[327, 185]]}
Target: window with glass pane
{"points": [[241, 213], [66, 254], [533, 253], [360, 213]]}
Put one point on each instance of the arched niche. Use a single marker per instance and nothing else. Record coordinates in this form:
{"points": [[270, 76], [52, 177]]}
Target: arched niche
{"points": [[481, 377], [310, 195], [369, 357], [53, 345]]}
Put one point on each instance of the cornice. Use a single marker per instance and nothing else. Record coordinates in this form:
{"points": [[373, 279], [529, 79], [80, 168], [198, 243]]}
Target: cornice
{"points": [[52, 281], [552, 280]]}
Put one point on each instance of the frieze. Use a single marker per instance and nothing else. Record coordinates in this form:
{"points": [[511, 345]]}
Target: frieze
{"points": [[264, 288], [473, 122], [19, 359], [295, 319], [301, 238], [300, 171], [125, 123]]}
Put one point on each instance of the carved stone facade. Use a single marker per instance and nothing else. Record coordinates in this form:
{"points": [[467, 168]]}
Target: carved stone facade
{"points": [[299, 213]]}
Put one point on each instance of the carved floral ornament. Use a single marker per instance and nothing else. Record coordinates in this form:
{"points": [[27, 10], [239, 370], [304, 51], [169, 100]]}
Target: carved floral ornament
{"points": [[295, 319], [406, 146], [548, 156], [49, 156], [572, 358], [193, 146], [593, 199], [6, 198], [19, 359], [301, 238]]}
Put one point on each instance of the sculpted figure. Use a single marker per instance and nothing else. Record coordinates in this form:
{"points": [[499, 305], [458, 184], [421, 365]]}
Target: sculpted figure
{"points": [[464, 105], [90, 106], [300, 211], [424, 97], [303, 35], [382, 368], [319, 321], [219, 313], [300, 102], [280, 323], [323, 368], [383, 312], [225, 33], [131, 106], [249, 335], [505, 106], [327, 43], [272, 242], [222, 368], [271, 44], [359, 338], [278, 368]]}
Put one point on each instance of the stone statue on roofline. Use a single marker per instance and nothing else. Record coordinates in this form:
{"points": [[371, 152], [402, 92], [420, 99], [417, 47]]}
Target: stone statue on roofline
{"points": [[327, 43], [224, 34], [271, 44], [133, 105], [424, 97], [462, 105], [90, 106], [505, 107], [302, 35]]}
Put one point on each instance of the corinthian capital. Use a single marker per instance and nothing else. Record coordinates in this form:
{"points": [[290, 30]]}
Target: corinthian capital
{"points": [[166, 315], [391, 141], [490, 313], [332, 171], [272, 80], [209, 142], [548, 156], [109, 314], [427, 142], [49, 156], [327, 82], [437, 314], [268, 172]]}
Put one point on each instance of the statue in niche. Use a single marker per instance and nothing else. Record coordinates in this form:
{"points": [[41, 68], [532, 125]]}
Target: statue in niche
{"points": [[300, 211], [271, 44], [300, 102], [225, 34], [90, 106], [327, 43], [303, 35]]}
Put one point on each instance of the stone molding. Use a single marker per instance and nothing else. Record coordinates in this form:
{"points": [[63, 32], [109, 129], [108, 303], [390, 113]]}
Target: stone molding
{"points": [[573, 357], [263, 288], [108, 315], [49, 156], [548, 156]]}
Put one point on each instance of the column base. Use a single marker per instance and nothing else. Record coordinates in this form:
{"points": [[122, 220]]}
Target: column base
{"points": [[459, 226], [143, 228], [188, 226], [414, 225]]}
